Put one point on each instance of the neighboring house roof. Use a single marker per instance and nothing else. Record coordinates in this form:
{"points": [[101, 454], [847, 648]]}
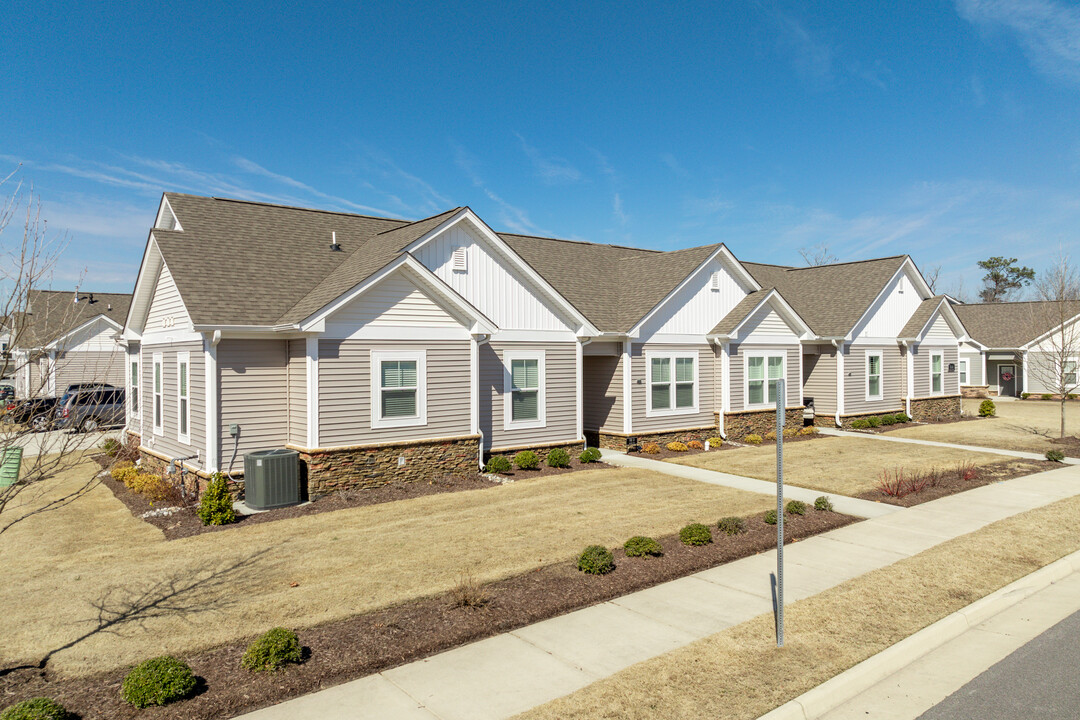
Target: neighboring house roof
{"points": [[830, 298], [1010, 325], [747, 305], [54, 313]]}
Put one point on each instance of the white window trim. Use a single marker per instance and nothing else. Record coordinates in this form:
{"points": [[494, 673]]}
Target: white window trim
{"points": [[931, 373], [746, 379], [183, 358], [672, 357], [881, 376], [377, 358], [1076, 372], [157, 396], [508, 389], [964, 369], [135, 408]]}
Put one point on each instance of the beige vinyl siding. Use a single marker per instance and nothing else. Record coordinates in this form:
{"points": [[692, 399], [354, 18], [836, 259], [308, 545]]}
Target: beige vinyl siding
{"points": [[37, 388], [738, 373], [950, 381], [640, 387], [393, 302], [819, 380], [252, 377], [169, 444], [975, 368], [767, 323], [297, 387], [560, 395], [345, 391], [165, 305], [91, 366], [602, 393], [893, 370], [940, 332], [1042, 374]]}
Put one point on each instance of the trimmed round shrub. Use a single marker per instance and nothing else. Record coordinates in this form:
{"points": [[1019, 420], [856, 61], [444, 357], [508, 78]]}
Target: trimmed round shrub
{"points": [[1025, 396], [771, 435], [641, 546], [823, 503], [752, 439], [860, 424], [795, 507], [215, 505], [716, 442], [150, 486], [808, 430], [590, 455], [159, 681], [676, 446], [873, 421], [902, 417], [731, 525], [770, 517], [527, 460], [1055, 456], [273, 650], [40, 708], [987, 408], [1046, 396], [596, 560], [651, 448], [888, 419], [790, 432], [695, 445], [498, 464], [695, 534], [558, 458]]}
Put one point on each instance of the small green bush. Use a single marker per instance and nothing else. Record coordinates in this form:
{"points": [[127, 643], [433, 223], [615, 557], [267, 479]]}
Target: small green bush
{"points": [[590, 455], [110, 446], [1055, 456], [159, 681], [497, 464], [823, 503], [987, 408], [752, 439], [596, 560], [873, 421], [641, 546], [1046, 396], [527, 460], [1025, 396], [887, 419], [770, 517], [902, 417], [795, 507], [273, 650], [695, 534], [860, 424], [731, 525], [215, 505], [558, 458], [40, 708], [1070, 396]]}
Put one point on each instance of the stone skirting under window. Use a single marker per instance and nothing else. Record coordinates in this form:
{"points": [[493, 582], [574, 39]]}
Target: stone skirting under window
{"points": [[846, 420], [975, 391], [738, 425], [620, 441], [936, 408]]}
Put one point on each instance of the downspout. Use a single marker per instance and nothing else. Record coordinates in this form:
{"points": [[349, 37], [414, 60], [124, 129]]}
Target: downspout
{"points": [[839, 345], [474, 394], [907, 376], [581, 389]]}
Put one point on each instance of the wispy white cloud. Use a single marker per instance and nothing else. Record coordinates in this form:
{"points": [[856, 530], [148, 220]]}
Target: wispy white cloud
{"points": [[697, 206], [510, 216], [617, 209], [673, 165], [1048, 31], [811, 57], [551, 169], [254, 168], [431, 200]]}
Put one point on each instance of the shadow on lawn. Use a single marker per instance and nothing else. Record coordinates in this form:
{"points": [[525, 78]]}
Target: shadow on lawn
{"points": [[185, 593]]}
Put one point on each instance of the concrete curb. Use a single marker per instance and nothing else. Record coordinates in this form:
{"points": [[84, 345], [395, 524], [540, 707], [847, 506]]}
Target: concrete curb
{"points": [[838, 690]]}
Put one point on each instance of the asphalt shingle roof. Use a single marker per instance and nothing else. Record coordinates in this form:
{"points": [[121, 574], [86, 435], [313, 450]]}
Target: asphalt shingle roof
{"points": [[921, 316], [739, 312], [1013, 324], [55, 312]]}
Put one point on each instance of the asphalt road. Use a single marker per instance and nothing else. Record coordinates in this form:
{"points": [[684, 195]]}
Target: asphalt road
{"points": [[1039, 680]]}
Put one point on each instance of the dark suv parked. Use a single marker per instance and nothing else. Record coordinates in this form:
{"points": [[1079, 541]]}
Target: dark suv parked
{"points": [[89, 407], [37, 413]]}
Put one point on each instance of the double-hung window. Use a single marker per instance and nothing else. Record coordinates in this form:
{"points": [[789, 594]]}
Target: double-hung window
{"points": [[183, 398], [873, 376], [399, 389], [936, 387], [1068, 374], [672, 383], [963, 365], [763, 371], [524, 389], [159, 403], [133, 387]]}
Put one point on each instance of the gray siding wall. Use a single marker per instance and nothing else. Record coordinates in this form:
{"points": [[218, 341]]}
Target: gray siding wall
{"points": [[252, 390], [169, 443], [345, 392], [950, 381], [819, 380], [297, 386], [975, 368], [706, 359], [602, 393], [103, 366], [893, 372], [1041, 374], [166, 303], [738, 373], [560, 395]]}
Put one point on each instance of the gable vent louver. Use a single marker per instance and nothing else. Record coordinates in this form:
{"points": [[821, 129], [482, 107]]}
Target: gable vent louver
{"points": [[460, 260], [714, 281]]}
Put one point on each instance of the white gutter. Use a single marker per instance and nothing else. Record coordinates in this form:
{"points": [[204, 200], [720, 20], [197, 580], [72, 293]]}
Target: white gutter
{"points": [[839, 345], [579, 352], [909, 371], [474, 393]]}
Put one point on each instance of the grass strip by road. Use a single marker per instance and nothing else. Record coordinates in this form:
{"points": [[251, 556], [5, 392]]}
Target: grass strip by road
{"points": [[741, 674]]}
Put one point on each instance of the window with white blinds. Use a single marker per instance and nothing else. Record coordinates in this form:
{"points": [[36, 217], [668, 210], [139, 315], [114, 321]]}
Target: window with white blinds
{"points": [[398, 385]]}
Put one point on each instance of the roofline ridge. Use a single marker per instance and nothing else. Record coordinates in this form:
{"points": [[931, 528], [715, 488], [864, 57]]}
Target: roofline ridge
{"points": [[579, 242], [429, 217], [282, 206], [837, 264]]}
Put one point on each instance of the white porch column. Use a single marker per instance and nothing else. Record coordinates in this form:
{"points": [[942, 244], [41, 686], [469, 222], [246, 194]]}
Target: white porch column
{"points": [[985, 379], [579, 353], [839, 382], [210, 380], [627, 388], [474, 385], [312, 346], [1024, 372], [725, 380], [910, 379]]}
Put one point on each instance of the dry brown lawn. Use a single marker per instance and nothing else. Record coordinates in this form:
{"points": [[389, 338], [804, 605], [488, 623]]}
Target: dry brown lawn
{"points": [[1027, 425], [739, 673], [840, 465], [92, 575]]}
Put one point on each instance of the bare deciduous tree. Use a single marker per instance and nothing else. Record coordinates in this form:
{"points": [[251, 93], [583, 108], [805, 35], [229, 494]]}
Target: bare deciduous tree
{"points": [[1053, 362], [932, 274], [817, 255]]}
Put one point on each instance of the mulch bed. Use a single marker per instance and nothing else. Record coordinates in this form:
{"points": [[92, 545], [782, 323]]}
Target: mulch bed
{"points": [[1069, 445], [950, 482], [733, 444], [544, 470], [369, 643], [898, 426]]}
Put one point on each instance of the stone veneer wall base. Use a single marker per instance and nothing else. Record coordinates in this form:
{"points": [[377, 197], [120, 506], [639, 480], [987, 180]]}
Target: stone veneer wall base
{"points": [[620, 441], [934, 409], [738, 425], [975, 391]]}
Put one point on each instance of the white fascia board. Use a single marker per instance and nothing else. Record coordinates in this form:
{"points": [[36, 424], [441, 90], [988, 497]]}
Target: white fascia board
{"points": [[144, 287], [1048, 333], [950, 317], [55, 344], [165, 205], [567, 308], [924, 292]]}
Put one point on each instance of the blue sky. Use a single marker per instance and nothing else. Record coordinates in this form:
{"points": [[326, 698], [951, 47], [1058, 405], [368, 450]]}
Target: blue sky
{"points": [[946, 130]]}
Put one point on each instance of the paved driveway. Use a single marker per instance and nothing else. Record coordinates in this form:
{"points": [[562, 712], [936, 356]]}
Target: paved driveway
{"points": [[54, 441]]}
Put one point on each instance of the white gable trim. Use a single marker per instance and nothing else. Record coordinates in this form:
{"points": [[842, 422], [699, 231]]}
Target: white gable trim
{"points": [[727, 259], [950, 317], [1048, 333], [55, 344], [924, 292], [162, 209], [776, 301], [584, 327], [145, 284]]}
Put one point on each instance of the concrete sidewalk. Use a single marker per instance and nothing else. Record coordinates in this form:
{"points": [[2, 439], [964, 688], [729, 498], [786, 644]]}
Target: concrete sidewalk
{"points": [[509, 673], [934, 443]]}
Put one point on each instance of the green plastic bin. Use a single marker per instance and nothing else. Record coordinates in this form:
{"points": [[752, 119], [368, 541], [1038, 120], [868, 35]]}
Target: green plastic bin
{"points": [[9, 467]]}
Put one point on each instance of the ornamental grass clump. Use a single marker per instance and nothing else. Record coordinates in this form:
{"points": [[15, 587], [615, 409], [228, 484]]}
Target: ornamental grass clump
{"points": [[752, 439], [527, 460], [771, 435], [596, 560], [651, 449], [731, 525], [216, 504], [497, 464], [558, 458], [987, 408], [823, 503], [159, 681], [590, 455], [676, 446], [641, 546], [695, 445], [695, 534], [40, 708], [273, 650], [808, 430]]}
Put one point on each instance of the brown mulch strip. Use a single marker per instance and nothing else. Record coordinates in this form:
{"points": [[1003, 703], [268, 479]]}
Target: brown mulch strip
{"points": [[737, 443], [1069, 445], [950, 483], [949, 421], [366, 644]]}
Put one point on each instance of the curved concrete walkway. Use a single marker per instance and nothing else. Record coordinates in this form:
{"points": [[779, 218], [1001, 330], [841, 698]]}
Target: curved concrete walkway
{"points": [[934, 443]]}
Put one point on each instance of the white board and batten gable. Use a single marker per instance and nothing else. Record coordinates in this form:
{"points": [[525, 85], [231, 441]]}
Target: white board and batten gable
{"points": [[892, 309], [695, 308]]}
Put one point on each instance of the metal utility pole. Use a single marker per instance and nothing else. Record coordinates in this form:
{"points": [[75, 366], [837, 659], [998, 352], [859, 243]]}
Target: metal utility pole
{"points": [[780, 418]]}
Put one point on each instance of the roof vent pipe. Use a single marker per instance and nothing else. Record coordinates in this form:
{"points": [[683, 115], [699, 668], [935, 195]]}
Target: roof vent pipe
{"points": [[333, 241]]}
